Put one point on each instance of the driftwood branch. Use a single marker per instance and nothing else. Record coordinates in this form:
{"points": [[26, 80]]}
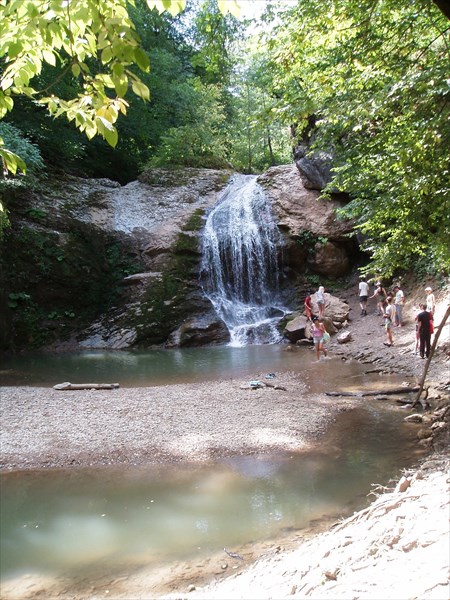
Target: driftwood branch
{"points": [[85, 386], [275, 386], [391, 391], [432, 349]]}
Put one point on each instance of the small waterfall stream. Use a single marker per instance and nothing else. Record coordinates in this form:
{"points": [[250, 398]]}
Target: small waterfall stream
{"points": [[240, 263]]}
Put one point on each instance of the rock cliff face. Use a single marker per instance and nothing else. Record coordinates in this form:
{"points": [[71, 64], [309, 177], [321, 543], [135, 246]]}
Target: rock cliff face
{"points": [[137, 255], [316, 238]]}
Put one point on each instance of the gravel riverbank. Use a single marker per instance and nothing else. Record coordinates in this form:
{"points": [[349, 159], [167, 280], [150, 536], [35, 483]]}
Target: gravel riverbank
{"points": [[44, 427]]}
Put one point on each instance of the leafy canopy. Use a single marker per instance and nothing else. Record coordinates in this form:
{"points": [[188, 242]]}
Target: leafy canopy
{"points": [[374, 77], [94, 40]]}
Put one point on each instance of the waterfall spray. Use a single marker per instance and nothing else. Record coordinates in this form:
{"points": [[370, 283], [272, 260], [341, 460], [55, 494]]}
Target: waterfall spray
{"points": [[240, 263]]}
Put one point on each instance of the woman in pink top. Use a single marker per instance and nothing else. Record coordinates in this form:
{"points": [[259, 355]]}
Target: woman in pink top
{"points": [[318, 329]]}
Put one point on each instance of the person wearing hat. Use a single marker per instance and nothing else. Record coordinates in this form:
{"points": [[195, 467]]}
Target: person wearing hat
{"points": [[381, 295], [431, 302]]}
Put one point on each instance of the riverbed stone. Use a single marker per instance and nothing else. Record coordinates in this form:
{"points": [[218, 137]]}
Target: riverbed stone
{"points": [[414, 418], [204, 330], [296, 329], [344, 337]]}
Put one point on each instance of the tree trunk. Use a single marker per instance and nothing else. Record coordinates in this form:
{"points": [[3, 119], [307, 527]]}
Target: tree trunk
{"points": [[444, 7]]}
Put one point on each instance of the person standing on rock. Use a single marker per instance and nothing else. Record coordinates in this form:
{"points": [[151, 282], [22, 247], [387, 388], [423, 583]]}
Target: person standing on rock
{"points": [[389, 319], [308, 306], [320, 299], [424, 319], [381, 295], [399, 302], [363, 291], [431, 301]]}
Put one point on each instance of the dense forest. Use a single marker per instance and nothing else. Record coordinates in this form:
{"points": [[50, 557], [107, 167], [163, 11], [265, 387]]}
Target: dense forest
{"points": [[108, 88]]}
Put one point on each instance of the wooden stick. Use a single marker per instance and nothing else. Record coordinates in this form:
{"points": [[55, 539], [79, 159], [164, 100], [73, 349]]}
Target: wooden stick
{"points": [[85, 386], [400, 390]]}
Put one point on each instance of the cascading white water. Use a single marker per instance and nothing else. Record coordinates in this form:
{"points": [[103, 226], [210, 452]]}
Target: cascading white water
{"points": [[240, 263]]}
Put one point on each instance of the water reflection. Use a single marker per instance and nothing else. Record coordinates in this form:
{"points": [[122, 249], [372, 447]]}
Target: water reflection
{"points": [[187, 365], [68, 520], [150, 367]]}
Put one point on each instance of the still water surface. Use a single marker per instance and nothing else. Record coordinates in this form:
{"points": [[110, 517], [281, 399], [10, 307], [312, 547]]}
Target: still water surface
{"points": [[151, 367], [67, 521]]}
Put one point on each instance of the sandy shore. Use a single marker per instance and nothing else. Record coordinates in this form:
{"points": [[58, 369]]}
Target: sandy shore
{"points": [[49, 428]]}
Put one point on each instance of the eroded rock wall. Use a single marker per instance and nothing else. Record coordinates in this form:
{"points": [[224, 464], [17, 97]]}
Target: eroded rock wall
{"points": [[316, 239], [102, 265]]}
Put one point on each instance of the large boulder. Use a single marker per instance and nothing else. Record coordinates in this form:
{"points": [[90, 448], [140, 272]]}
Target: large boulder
{"points": [[315, 170], [306, 219], [329, 259], [299, 209], [335, 309], [297, 329], [205, 330]]}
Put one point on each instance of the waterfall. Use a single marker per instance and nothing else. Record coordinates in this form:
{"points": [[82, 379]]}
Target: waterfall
{"points": [[240, 263]]}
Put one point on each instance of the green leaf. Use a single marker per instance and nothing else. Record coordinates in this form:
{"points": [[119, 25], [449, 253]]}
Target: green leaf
{"points": [[76, 70], [49, 57], [140, 89], [106, 55], [14, 49], [12, 162], [107, 130], [142, 59]]}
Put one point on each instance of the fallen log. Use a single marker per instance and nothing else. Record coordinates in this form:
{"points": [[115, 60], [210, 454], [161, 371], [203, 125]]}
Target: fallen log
{"points": [[85, 386], [275, 386], [392, 391]]}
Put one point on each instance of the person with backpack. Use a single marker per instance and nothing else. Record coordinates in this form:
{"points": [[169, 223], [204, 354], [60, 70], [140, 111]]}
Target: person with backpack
{"points": [[381, 295]]}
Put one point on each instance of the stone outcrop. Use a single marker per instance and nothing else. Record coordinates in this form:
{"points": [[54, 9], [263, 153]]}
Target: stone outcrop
{"points": [[200, 331], [92, 230], [329, 259], [315, 170], [315, 237], [146, 215], [155, 224]]}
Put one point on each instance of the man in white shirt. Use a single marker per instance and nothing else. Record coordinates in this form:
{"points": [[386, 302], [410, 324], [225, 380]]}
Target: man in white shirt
{"points": [[399, 301], [363, 290]]}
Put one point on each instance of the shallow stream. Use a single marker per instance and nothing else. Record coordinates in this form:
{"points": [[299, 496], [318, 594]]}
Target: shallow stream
{"points": [[79, 521]]}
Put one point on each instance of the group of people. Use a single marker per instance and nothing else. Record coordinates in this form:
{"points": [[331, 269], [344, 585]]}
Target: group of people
{"points": [[390, 306], [384, 299]]}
